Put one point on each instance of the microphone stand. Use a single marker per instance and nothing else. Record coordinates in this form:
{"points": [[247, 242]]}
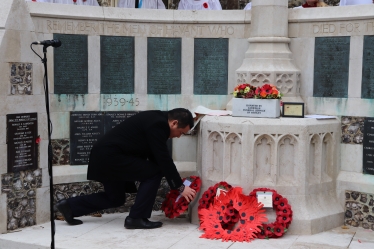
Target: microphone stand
{"points": [[50, 154]]}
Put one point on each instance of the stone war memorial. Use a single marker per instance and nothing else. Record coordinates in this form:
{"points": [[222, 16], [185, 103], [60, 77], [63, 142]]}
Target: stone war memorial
{"points": [[116, 62]]}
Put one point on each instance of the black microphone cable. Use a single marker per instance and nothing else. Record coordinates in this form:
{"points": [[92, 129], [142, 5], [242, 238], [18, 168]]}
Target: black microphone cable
{"points": [[50, 128]]}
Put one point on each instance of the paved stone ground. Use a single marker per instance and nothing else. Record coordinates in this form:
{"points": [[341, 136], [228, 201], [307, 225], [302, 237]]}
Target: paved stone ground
{"points": [[107, 232]]}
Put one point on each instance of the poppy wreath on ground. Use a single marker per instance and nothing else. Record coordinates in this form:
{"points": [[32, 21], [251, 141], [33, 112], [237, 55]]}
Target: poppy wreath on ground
{"points": [[251, 217], [172, 206], [284, 216], [208, 198]]}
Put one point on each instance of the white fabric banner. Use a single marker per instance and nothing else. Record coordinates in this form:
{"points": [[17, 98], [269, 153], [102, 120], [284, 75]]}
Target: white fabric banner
{"points": [[199, 5], [144, 4]]}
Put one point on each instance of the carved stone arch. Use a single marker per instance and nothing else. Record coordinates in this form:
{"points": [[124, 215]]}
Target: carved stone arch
{"points": [[292, 137], [286, 159], [314, 159], [215, 154], [327, 157], [231, 136], [233, 158], [264, 155]]}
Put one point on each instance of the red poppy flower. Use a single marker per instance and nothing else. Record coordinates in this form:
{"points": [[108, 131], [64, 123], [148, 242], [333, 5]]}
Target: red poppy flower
{"points": [[74, 1], [268, 228], [261, 235], [278, 230], [205, 5], [276, 199], [281, 208], [38, 139], [283, 219], [283, 202], [284, 212]]}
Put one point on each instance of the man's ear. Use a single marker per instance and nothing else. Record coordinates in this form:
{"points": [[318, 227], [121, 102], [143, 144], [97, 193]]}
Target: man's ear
{"points": [[175, 123]]}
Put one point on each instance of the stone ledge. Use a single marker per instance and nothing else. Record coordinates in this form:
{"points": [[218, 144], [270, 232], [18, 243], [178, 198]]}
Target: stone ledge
{"points": [[341, 13], [68, 173], [137, 15], [355, 181]]}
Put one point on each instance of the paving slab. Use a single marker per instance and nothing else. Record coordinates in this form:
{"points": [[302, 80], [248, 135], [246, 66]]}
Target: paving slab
{"points": [[108, 232]]}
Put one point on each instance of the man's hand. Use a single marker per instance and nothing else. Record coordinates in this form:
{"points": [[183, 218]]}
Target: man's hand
{"points": [[189, 193]]}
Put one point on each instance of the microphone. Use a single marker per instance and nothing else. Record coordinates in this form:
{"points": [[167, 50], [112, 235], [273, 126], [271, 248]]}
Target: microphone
{"points": [[54, 43]]}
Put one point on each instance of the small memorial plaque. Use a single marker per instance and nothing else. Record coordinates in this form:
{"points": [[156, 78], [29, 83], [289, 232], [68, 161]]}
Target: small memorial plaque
{"points": [[71, 65], [368, 144], [331, 66], [22, 132], [111, 119], [117, 64], [164, 65], [211, 66], [266, 198], [85, 129], [367, 89]]}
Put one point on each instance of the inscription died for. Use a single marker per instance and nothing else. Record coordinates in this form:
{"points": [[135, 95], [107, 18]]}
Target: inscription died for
{"points": [[117, 64], [367, 89], [22, 130], [71, 65], [87, 127], [211, 66], [164, 65], [368, 144], [331, 65]]}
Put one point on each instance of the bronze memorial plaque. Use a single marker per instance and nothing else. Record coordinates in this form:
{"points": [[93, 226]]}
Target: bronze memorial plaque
{"points": [[331, 67], [22, 133], [367, 89], [368, 146], [211, 66], [117, 64], [164, 65], [71, 64], [85, 129]]}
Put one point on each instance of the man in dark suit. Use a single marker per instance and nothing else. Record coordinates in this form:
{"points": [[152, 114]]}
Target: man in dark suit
{"points": [[134, 150]]}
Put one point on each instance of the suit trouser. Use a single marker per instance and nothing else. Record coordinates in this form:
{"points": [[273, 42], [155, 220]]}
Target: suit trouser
{"points": [[114, 196]]}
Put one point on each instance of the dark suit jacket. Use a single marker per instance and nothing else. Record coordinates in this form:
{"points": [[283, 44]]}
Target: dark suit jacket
{"points": [[134, 150]]}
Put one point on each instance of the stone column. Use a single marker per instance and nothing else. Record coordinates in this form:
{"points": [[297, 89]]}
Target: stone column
{"points": [[268, 58]]}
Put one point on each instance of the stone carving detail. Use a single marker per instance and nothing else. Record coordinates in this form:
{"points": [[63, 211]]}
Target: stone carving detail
{"points": [[67, 190], [20, 189], [359, 209], [284, 82], [327, 157], [286, 164], [233, 152], [352, 130], [61, 152], [314, 176], [21, 78], [264, 160], [241, 78], [216, 155], [259, 79]]}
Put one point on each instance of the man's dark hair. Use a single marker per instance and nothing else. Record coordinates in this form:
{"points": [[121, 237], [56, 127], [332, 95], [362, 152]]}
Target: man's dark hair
{"points": [[183, 116]]}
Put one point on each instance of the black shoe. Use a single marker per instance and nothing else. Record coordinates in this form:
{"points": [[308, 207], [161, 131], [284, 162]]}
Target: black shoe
{"points": [[141, 223], [64, 208]]}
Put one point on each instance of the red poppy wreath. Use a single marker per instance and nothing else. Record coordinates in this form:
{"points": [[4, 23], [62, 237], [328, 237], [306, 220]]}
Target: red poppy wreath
{"points": [[251, 216], [208, 198], [174, 204], [284, 216]]}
